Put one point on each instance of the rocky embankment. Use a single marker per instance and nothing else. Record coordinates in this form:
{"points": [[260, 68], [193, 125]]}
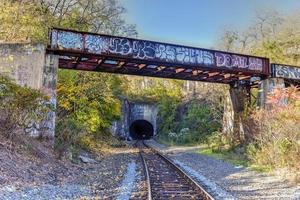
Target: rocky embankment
{"points": [[113, 175]]}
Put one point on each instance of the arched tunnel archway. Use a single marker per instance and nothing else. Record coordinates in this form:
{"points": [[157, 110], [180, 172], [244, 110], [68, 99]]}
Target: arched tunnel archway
{"points": [[141, 130]]}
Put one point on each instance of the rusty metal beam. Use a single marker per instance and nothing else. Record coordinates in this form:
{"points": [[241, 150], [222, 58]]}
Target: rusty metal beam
{"points": [[178, 70], [106, 53]]}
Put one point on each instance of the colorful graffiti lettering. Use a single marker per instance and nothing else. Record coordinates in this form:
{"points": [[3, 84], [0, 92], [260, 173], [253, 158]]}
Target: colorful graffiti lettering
{"points": [[236, 61], [283, 71], [160, 52]]}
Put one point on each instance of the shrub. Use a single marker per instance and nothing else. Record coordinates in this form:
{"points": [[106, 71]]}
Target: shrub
{"points": [[189, 123], [277, 131], [200, 121], [68, 132], [167, 115], [99, 142], [20, 108]]}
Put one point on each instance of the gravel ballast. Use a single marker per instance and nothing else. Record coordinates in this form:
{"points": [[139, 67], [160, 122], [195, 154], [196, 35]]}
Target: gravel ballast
{"points": [[237, 182], [127, 184]]}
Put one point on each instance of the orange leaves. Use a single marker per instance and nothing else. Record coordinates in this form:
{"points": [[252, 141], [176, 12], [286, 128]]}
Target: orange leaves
{"points": [[293, 93], [281, 97]]}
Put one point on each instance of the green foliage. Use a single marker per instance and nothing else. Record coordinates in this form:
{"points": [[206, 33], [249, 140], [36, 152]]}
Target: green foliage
{"points": [[167, 114], [20, 107], [68, 132], [231, 156], [152, 89], [89, 101], [21, 21], [200, 121], [192, 126], [88, 98], [187, 112], [218, 142]]}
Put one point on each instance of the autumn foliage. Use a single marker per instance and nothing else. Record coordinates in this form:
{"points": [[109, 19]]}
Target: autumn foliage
{"points": [[276, 131]]}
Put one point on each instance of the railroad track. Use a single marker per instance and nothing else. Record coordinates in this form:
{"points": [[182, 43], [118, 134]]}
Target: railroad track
{"points": [[165, 180]]}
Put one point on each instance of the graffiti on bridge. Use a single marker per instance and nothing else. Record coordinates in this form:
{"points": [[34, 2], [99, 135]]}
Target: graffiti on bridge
{"points": [[284, 71], [153, 51], [241, 62]]}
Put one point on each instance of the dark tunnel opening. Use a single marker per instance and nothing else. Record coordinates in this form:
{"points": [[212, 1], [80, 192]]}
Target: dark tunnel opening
{"points": [[141, 130]]}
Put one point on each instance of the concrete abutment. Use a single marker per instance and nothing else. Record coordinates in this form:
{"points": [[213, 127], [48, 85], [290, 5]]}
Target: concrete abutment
{"points": [[267, 86], [234, 107], [29, 65]]}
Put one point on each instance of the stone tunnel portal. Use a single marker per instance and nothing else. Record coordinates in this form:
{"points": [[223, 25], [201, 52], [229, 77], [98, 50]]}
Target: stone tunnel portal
{"points": [[141, 129]]}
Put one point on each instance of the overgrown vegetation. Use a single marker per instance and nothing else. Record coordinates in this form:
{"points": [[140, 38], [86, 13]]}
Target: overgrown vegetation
{"points": [[23, 110], [276, 131], [88, 102], [190, 115], [87, 105], [191, 122], [188, 112], [275, 136], [273, 133]]}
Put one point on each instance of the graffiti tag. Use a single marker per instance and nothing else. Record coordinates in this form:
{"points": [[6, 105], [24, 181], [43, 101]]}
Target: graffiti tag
{"points": [[237, 61], [288, 72]]}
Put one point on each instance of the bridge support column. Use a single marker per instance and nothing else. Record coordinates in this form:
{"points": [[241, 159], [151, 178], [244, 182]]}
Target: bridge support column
{"points": [[265, 87], [29, 65], [49, 86], [234, 107]]}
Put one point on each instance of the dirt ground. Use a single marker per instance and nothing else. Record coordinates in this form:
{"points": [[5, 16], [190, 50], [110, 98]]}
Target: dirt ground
{"points": [[27, 175]]}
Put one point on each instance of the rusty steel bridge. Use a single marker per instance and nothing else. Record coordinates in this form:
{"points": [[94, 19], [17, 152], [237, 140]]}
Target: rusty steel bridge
{"points": [[105, 53]]}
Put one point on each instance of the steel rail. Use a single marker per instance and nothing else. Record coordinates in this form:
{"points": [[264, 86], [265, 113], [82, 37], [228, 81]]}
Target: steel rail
{"points": [[147, 176], [178, 169], [146, 171]]}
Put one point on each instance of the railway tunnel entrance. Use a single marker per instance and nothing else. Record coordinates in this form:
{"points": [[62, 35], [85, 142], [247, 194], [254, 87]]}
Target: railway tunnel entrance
{"points": [[141, 129]]}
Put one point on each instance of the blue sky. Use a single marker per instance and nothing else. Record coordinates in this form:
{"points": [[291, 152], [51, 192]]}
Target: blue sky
{"points": [[196, 22]]}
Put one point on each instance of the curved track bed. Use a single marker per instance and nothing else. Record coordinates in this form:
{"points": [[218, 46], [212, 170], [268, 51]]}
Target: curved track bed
{"points": [[165, 180]]}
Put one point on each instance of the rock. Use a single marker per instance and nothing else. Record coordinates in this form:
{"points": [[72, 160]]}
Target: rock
{"points": [[87, 159]]}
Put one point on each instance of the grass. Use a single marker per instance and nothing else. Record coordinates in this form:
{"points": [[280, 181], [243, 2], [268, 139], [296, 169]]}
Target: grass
{"points": [[235, 157], [226, 155], [171, 143], [230, 156]]}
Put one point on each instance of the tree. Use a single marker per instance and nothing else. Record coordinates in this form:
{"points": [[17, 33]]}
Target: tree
{"points": [[88, 99], [272, 35], [29, 20]]}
